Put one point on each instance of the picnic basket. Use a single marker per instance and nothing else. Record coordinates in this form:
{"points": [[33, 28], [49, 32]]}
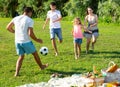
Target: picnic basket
{"points": [[112, 67]]}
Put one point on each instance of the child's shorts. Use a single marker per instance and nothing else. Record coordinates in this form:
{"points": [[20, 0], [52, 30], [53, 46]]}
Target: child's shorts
{"points": [[22, 48], [56, 31], [78, 40]]}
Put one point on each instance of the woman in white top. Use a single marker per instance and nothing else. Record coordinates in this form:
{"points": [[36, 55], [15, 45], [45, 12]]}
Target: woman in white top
{"points": [[91, 21]]}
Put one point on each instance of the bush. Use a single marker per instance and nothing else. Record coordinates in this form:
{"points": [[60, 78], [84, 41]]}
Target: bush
{"points": [[109, 11]]}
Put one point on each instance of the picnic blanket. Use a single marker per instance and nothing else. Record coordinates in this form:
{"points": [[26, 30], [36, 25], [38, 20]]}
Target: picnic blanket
{"points": [[76, 80]]}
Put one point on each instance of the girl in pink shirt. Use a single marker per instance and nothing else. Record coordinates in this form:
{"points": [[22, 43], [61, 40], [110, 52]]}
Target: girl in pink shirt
{"points": [[77, 34]]}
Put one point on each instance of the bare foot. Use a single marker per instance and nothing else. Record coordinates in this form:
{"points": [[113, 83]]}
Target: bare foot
{"points": [[16, 75], [76, 57], [44, 66], [56, 54]]}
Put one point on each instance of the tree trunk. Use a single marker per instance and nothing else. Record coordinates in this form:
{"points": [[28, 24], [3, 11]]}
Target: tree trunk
{"points": [[12, 8]]}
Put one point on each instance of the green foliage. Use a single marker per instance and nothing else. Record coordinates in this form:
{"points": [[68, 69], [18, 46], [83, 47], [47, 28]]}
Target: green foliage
{"points": [[3, 8], [8, 8], [109, 11], [78, 7], [75, 8], [30, 3]]}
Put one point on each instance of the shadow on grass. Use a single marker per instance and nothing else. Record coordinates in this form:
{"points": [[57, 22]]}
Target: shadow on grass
{"points": [[67, 73], [105, 54], [67, 52]]}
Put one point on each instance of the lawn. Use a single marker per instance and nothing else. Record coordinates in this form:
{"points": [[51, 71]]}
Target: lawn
{"points": [[107, 49]]}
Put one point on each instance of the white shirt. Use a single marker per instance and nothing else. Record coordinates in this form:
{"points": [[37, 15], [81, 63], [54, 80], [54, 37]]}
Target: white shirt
{"points": [[22, 23], [53, 15]]}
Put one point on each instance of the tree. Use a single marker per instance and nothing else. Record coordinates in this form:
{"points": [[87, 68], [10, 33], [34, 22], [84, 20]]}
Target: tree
{"points": [[78, 7], [94, 4], [74, 8], [109, 11], [12, 6], [8, 7]]}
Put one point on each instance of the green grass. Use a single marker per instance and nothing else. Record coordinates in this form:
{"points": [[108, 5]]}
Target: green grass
{"points": [[107, 49]]}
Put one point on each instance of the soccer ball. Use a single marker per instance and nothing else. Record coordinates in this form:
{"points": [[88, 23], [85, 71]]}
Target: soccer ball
{"points": [[44, 50]]}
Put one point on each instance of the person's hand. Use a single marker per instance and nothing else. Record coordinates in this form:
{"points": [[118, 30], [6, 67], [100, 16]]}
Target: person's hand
{"points": [[54, 21], [39, 41], [90, 31], [91, 26], [72, 33]]}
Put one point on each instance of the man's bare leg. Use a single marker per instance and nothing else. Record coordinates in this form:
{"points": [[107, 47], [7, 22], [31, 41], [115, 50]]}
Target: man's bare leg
{"points": [[19, 64], [38, 60]]}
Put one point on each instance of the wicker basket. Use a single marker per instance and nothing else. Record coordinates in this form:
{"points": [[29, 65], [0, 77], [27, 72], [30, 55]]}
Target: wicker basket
{"points": [[111, 77], [112, 67]]}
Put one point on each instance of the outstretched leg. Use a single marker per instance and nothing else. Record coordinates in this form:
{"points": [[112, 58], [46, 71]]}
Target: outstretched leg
{"points": [[19, 64], [37, 59]]}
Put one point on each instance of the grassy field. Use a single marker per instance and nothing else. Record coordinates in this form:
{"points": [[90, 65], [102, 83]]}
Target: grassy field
{"points": [[107, 49]]}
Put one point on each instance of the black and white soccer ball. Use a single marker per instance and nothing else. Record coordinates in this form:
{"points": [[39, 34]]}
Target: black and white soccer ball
{"points": [[44, 50]]}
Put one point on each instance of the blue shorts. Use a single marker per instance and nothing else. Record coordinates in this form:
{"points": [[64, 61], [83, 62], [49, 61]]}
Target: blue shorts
{"points": [[22, 48], [56, 31], [78, 40]]}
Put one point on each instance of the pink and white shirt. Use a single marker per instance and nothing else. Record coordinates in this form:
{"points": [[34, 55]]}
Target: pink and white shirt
{"points": [[77, 31]]}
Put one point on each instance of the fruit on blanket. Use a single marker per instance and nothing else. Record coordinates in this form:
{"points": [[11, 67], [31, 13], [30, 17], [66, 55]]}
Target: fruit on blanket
{"points": [[91, 85], [113, 84], [95, 70]]}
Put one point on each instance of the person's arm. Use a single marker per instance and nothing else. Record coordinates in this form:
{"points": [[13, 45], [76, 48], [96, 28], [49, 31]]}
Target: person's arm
{"points": [[85, 21], [32, 35], [59, 19], [85, 25], [10, 27], [72, 32], [85, 29], [96, 19], [46, 21]]}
